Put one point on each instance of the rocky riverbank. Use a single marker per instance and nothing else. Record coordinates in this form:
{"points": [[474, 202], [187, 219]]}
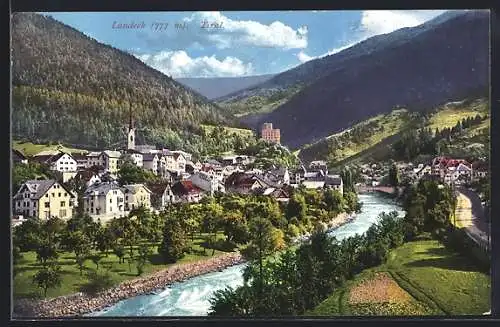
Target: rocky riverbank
{"points": [[79, 304]]}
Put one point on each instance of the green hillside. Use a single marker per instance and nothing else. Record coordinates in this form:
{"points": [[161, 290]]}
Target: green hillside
{"points": [[29, 149], [258, 103], [374, 138], [419, 278], [69, 88], [359, 138]]}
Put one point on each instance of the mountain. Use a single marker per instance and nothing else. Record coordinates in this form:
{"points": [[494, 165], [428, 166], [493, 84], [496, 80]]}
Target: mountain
{"points": [[67, 87], [421, 67], [217, 87]]}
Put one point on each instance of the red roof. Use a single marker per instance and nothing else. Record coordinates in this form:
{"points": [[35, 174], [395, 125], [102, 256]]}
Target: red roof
{"points": [[444, 162]]}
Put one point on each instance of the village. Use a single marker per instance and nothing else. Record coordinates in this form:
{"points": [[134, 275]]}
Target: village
{"points": [[185, 180]]}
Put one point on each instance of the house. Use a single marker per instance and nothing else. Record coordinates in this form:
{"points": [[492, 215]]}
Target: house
{"points": [[297, 176], [279, 175], [94, 159], [449, 169], [278, 193], [18, 157], [89, 176], [104, 200], [180, 160], [151, 162], [422, 170], [110, 160], [81, 160], [135, 156], [319, 165], [187, 192], [161, 195], [313, 184], [246, 183], [314, 176], [61, 162], [270, 134], [136, 195], [335, 182], [44, 199], [185, 155], [206, 182]]}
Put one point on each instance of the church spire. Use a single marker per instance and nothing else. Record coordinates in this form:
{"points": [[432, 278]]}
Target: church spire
{"points": [[131, 122]]}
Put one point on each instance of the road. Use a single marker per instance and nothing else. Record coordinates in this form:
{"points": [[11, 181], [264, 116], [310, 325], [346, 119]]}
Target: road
{"points": [[470, 215]]}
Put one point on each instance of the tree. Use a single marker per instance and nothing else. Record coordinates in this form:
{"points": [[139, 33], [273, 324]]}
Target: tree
{"points": [[261, 244], [334, 201], [296, 206], [235, 227], [48, 277], [96, 259], [144, 253], [175, 241], [46, 252], [119, 251], [105, 240], [211, 221]]}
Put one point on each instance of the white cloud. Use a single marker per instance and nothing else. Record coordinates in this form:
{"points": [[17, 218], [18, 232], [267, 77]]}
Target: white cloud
{"points": [[180, 64], [233, 33], [249, 33], [375, 22], [303, 57]]}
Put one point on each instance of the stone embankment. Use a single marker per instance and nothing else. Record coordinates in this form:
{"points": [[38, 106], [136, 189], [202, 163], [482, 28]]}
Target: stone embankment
{"points": [[79, 304]]}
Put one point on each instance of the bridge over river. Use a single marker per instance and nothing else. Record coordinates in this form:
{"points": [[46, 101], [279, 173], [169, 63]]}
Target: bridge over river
{"points": [[382, 189]]}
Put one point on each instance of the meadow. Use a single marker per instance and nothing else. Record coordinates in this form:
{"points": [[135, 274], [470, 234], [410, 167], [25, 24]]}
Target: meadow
{"points": [[73, 281], [419, 278]]}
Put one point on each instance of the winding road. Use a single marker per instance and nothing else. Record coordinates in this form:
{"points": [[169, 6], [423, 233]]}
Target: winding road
{"points": [[470, 215]]}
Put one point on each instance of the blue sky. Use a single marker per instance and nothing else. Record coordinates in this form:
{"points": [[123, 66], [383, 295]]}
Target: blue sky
{"points": [[248, 43]]}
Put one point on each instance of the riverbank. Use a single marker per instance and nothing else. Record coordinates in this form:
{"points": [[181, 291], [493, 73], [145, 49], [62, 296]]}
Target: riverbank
{"points": [[79, 304]]}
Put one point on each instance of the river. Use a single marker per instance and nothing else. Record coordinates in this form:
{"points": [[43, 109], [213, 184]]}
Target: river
{"points": [[191, 297]]}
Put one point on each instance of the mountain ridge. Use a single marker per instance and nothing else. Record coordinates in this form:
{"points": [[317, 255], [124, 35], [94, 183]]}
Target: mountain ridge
{"points": [[84, 89], [449, 60]]}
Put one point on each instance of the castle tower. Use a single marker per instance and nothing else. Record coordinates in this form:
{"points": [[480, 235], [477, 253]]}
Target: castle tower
{"points": [[131, 133]]}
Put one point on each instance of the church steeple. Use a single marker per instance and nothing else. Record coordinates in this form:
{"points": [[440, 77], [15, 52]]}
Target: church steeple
{"points": [[131, 122], [131, 132]]}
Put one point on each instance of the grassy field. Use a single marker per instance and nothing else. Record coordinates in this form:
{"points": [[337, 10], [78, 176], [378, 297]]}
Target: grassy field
{"points": [[240, 131], [29, 149], [419, 278], [73, 281], [385, 126], [448, 116]]}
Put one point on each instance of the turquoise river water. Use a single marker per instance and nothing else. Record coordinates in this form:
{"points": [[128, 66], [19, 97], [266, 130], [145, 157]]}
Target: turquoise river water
{"points": [[191, 297]]}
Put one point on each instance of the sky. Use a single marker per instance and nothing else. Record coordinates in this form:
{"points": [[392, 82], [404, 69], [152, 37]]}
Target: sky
{"points": [[237, 43]]}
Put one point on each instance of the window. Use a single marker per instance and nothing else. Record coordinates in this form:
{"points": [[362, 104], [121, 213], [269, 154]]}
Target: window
{"points": [[63, 203], [70, 204], [18, 203], [92, 203], [126, 197], [62, 213], [53, 194], [47, 204], [47, 195], [111, 200], [47, 214], [34, 204]]}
